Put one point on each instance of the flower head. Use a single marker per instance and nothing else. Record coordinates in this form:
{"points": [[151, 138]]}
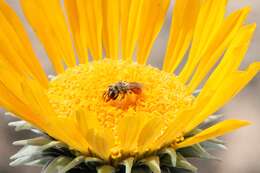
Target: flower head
{"points": [[124, 126]]}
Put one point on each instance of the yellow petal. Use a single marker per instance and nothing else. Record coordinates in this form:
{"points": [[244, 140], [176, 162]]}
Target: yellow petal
{"points": [[77, 20], [82, 122], [232, 57], [14, 95], [130, 13], [228, 88], [177, 125], [111, 12], [48, 21], [86, 120], [12, 57], [209, 20], [153, 129], [101, 141], [153, 15], [85, 18], [11, 94], [35, 97], [16, 106], [228, 31], [64, 129], [10, 78], [94, 22], [14, 33], [128, 131], [213, 131], [183, 23]]}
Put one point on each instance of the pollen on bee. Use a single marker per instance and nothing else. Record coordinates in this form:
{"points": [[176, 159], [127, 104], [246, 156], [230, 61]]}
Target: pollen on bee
{"points": [[129, 100]]}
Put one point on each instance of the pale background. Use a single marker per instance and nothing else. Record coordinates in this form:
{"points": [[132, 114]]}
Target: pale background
{"points": [[243, 152]]}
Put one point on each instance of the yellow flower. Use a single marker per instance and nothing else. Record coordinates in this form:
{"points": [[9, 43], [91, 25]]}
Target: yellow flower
{"points": [[112, 33]]}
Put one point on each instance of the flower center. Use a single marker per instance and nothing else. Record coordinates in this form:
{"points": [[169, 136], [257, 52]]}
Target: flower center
{"points": [[84, 86]]}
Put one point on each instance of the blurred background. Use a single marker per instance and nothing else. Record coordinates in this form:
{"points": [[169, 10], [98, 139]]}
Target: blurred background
{"points": [[243, 152]]}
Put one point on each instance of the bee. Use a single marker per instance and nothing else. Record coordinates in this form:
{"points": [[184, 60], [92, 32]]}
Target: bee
{"points": [[121, 88]]}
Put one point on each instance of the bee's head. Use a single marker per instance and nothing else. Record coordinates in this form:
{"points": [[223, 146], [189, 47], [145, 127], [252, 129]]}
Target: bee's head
{"points": [[112, 92]]}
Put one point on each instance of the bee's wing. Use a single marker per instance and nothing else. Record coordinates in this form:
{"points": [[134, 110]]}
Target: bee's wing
{"points": [[135, 87]]}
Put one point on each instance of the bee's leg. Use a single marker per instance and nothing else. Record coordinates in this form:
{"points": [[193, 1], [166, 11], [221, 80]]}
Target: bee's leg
{"points": [[105, 96], [116, 96], [124, 94]]}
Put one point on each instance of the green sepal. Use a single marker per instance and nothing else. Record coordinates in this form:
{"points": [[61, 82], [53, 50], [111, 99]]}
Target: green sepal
{"points": [[26, 151], [217, 141], [193, 132], [38, 141], [56, 165], [20, 125], [153, 163], [209, 146], [41, 162], [92, 160], [78, 160], [168, 157], [106, 169], [128, 163], [53, 144], [196, 151], [24, 160], [212, 119], [184, 164]]}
